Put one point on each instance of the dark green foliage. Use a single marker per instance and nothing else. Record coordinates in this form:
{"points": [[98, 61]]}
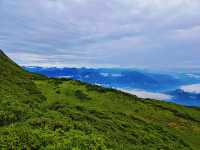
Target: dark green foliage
{"points": [[96, 88], [80, 95], [58, 92], [37, 113]]}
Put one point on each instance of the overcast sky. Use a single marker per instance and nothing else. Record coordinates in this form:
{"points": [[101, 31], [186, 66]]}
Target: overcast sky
{"points": [[115, 33]]}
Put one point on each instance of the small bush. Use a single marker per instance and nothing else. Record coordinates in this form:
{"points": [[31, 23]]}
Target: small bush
{"points": [[80, 95]]}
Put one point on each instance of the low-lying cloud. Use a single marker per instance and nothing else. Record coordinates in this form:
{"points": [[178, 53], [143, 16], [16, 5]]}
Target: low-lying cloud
{"points": [[194, 88], [151, 95]]}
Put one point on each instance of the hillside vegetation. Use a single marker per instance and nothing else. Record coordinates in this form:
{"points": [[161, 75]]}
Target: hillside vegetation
{"points": [[61, 114]]}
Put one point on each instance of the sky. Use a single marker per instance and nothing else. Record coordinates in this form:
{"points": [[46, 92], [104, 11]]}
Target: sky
{"points": [[100, 33]]}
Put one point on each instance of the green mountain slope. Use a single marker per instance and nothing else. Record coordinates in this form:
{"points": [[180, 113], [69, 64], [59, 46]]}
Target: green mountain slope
{"points": [[59, 114], [18, 93]]}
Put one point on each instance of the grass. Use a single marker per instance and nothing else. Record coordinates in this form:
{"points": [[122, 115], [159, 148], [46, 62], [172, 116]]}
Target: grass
{"points": [[58, 114]]}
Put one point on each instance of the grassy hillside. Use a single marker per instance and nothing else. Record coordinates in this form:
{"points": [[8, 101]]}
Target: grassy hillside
{"points": [[18, 94], [59, 114]]}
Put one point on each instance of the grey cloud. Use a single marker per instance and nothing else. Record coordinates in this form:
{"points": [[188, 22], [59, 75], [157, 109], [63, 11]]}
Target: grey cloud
{"points": [[119, 33]]}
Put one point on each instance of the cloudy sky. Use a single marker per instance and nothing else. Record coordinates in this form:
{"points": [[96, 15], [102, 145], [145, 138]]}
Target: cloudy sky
{"points": [[115, 33]]}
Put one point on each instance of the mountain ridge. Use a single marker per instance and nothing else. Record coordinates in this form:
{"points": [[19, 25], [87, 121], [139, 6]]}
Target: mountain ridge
{"points": [[37, 112], [157, 85]]}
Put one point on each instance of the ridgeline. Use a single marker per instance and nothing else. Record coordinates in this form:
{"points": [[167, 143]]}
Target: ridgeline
{"points": [[41, 113]]}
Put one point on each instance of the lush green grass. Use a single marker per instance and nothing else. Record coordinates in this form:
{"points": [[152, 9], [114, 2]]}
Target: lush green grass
{"points": [[58, 114]]}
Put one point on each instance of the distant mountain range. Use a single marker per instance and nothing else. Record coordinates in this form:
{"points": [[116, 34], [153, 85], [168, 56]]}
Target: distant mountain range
{"points": [[132, 79]]}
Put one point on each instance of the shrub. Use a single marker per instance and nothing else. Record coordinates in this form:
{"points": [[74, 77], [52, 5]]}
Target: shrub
{"points": [[80, 95]]}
